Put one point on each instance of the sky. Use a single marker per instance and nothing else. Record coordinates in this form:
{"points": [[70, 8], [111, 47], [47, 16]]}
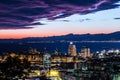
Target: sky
{"points": [[42, 18]]}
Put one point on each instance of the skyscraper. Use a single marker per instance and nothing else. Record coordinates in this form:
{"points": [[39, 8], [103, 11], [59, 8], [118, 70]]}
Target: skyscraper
{"points": [[47, 60], [72, 49], [85, 52]]}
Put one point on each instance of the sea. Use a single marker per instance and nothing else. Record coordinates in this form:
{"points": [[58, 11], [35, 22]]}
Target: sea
{"points": [[62, 47]]}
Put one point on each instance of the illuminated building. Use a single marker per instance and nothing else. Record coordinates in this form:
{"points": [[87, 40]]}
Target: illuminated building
{"points": [[54, 75], [33, 51], [85, 52], [1, 59], [72, 49], [46, 60]]}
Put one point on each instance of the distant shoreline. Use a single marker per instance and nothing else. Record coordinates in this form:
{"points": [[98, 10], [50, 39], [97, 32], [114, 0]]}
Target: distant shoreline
{"points": [[20, 42]]}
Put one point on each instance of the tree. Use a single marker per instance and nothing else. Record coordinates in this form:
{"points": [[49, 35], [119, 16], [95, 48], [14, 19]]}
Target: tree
{"points": [[13, 67]]}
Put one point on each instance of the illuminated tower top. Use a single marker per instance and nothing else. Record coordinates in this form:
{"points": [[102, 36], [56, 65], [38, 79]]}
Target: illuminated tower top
{"points": [[71, 43]]}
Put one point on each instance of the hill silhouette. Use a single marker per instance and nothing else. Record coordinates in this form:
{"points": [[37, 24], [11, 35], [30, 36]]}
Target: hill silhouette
{"points": [[115, 36]]}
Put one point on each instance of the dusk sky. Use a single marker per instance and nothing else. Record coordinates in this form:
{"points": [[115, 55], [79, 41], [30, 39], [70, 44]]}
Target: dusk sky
{"points": [[42, 18]]}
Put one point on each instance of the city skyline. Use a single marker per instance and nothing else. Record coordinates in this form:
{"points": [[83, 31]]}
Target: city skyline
{"points": [[42, 18]]}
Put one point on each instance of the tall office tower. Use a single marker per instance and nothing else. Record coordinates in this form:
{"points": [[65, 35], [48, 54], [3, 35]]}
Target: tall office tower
{"points": [[72, 49], [85, 52], [46, 60]]}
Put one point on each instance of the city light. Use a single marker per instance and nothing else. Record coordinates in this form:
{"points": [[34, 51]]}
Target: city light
{"points": [[54, 73]]}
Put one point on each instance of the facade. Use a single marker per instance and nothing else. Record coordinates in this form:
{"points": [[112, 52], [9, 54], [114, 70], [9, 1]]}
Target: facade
{"points": [[72, 49], [46, 60], [85, 52]]}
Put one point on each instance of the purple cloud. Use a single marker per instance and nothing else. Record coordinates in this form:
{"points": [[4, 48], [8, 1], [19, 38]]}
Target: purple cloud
{"points": [[17, 14]]}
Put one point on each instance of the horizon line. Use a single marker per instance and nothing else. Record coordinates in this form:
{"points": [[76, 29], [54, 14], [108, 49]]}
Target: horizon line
{"points": [[61, 35]]}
